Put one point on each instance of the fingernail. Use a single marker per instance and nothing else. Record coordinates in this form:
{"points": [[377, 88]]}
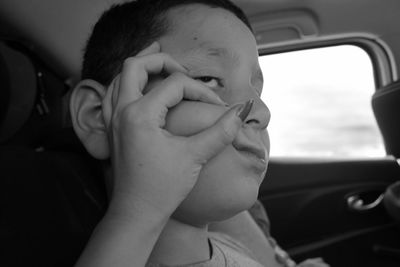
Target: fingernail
{"points": [[245, 109], [223, 102]]}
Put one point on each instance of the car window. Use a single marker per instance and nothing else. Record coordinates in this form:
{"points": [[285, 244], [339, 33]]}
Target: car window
{"points": [[320, 100]]}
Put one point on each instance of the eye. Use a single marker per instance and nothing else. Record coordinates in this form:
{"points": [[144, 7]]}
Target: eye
{"points": [[209, 81]]}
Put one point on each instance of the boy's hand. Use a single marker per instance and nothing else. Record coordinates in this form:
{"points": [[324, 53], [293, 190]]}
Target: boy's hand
{"points": [[151, 167]]}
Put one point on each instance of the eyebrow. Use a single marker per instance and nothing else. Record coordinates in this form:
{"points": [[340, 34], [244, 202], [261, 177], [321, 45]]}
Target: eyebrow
{"points": [[232, 56], [223, 52]]}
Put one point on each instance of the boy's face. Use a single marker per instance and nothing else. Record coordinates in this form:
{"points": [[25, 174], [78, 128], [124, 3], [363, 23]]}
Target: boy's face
{"points": [[220, 51]]}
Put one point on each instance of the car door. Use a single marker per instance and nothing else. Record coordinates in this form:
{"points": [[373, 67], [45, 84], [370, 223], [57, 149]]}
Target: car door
{"points": [[313, 214], [327, 201]]}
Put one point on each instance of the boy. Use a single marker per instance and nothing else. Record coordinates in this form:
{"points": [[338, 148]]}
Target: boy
{"points": [[171, 95]]}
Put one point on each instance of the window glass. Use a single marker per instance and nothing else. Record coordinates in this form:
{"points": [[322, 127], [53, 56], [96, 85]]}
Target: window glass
{"points": [[320, 100]]}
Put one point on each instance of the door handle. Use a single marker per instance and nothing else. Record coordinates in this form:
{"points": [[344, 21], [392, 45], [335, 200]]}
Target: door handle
{"points": [[356, 203]]}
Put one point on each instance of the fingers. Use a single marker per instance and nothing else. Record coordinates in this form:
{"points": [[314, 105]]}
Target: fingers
{"points": [[134, 75], [127, 86], [209, 142], [113, 91], [177, 87]]}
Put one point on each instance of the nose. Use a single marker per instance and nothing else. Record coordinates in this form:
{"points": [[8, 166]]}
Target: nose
{"points": [[259, 116]]}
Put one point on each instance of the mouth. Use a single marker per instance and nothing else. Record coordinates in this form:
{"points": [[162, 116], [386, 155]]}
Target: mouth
{"points": [[252, 154]]}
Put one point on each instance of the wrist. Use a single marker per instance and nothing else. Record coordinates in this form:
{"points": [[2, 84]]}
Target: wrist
{"points": [[128, 208], [126, 234]]}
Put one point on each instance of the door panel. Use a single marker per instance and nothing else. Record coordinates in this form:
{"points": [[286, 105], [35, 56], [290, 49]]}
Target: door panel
{"points": [[307, 205]]}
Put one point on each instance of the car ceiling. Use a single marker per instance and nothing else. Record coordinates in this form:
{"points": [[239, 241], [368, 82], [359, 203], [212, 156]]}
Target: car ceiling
{"points": [[57, 29]]}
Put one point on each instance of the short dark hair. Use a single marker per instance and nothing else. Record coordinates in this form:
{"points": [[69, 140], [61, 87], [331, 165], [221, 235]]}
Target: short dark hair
{"points": [[126, 29]]}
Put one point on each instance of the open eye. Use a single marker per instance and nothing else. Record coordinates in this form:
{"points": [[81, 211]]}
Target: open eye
{"points": [[209, 81]]}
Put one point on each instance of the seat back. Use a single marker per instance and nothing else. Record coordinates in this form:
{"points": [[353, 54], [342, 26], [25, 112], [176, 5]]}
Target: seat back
{"points": [[52, 193], [51, 202]]}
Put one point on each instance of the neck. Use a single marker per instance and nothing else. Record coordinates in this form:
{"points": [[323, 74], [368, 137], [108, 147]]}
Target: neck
{"points": [[180, 243]]}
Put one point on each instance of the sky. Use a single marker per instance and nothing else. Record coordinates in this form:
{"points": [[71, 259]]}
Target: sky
{"points": [[320, 100]]}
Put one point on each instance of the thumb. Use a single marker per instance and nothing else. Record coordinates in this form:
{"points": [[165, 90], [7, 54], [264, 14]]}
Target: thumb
{"points": [[209, 142]]}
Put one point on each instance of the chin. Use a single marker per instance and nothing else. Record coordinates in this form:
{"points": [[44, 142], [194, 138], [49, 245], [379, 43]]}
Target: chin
{"points": [[202, 209], [226, 186]]}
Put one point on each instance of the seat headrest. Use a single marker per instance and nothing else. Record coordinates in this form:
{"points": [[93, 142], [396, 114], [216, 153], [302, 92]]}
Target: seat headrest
{"points": [[32, 102], [386, 106], [18, 90]]}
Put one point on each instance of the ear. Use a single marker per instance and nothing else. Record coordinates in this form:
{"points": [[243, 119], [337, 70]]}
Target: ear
{"points": [[88, 118]]}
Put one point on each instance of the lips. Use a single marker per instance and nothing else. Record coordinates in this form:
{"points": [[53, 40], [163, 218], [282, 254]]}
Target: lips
{"points": [[250, 148]]}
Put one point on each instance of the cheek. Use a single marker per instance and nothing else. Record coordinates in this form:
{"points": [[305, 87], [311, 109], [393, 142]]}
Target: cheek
{"points": [[223, 189], [190, 117]]}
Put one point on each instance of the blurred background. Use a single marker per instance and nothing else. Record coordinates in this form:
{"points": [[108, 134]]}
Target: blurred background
{"points": [[320, 100]]}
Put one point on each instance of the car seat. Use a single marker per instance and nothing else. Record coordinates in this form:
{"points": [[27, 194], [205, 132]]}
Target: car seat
{"points": [[51, 191]]}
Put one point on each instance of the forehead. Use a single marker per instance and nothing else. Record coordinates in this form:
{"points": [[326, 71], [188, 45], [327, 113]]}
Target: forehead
{"points": [[213, 32]]}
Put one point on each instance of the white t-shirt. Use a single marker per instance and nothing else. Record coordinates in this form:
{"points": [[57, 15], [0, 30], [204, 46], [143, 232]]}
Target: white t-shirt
{"points": [[226, 252]]}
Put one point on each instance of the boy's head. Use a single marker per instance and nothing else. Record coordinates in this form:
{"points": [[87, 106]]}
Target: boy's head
{"points": [[214, 41], [126, 29]]}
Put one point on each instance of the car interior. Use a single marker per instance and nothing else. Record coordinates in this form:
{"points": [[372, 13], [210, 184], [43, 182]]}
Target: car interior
{"points": [[344, 210]]}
